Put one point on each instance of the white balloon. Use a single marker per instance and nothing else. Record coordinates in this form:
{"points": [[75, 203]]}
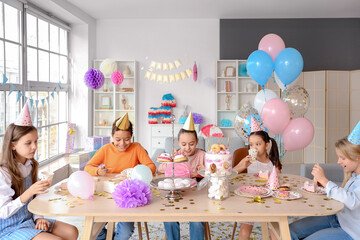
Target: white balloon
{"points": [[262, 97], [281, 85]]}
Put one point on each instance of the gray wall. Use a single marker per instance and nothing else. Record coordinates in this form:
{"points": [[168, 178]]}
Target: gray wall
{"points": [[331, 44]]}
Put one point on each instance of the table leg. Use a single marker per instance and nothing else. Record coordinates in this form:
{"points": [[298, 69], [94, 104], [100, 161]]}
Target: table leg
{"points": [[284, 228], [265, 231], [110, 231], [88, 225]]}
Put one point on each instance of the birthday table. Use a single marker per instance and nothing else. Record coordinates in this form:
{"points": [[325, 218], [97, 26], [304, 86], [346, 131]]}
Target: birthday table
{"points": [[194, 206]]}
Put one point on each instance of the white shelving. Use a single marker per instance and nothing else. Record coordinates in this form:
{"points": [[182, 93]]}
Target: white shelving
{"points": [[114, 95], [241, 90]]}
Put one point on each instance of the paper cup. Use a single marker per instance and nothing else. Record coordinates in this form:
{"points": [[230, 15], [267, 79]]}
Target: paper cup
{"points": [[253, 153], [45, 175]]}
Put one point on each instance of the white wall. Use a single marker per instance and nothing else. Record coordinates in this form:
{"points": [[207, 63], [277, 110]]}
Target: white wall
{"points": [[165, 40]]}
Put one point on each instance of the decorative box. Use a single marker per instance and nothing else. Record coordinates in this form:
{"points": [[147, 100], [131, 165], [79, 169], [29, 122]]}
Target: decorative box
{"points": [[78, 160], [104, 140], [93, 143], [70, 138]]}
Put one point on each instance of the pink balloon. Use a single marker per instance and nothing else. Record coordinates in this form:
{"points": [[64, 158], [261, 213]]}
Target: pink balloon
{"points": [[298, 134], [275, 115], [272, 44], [81, 184]]}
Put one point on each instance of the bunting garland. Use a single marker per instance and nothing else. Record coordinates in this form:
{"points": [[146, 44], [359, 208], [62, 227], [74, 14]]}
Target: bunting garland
{"points": [[19, 93], [167, 66]]}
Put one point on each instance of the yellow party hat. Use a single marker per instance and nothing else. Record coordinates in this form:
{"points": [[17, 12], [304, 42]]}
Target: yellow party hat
{"points": [[123, 122], [189, 124]]}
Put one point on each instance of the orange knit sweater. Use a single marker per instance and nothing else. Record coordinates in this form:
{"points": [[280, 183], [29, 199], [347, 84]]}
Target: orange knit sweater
{"points": [[118, 161]]}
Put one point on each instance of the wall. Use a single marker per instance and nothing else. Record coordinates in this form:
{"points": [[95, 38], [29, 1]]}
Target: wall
{"points": [[324, 43], [165, 40]]}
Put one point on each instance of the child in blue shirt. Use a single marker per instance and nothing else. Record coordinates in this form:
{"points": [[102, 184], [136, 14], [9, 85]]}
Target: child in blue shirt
{"points": [[345, 224]]}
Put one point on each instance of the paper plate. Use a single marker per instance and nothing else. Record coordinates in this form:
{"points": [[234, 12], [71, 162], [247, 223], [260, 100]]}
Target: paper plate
{"points": [[319, 191], [253, 191], [293, 195]]}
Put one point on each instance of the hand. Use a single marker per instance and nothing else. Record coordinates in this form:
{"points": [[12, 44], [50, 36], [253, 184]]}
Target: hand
{"points": [[42, 224], [102, 170], [243, 164], [319, 175], [37, 188]]}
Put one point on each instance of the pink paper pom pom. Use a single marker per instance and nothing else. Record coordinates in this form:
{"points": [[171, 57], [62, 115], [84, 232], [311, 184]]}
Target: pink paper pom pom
{"points": [[117, 77], [132, 194], [94, 78]]}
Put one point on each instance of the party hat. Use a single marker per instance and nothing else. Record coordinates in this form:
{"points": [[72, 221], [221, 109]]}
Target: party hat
{"points": [[273, 182], [254, 126], [189, 124], [123, 122], [354, 136], [24, 119]]}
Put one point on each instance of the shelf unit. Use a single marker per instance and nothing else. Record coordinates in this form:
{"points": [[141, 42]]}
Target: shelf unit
{"points": [[238, 89], [108, 100]]}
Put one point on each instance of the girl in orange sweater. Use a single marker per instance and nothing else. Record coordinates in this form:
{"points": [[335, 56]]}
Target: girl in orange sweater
{"points": [[116, 157]]}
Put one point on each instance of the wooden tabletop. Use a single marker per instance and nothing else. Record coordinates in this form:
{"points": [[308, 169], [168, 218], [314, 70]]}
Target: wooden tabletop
{"points": [[194, 205]]}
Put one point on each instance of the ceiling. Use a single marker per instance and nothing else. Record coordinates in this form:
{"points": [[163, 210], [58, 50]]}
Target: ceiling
{"points": [[216, 9]]}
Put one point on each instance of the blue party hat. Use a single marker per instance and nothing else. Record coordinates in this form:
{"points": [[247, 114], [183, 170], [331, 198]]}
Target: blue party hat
{"points": [[354, 136]]}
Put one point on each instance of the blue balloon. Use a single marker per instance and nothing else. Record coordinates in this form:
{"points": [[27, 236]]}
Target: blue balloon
{"points": [[143, 173], [288, 65], [260, 66]]}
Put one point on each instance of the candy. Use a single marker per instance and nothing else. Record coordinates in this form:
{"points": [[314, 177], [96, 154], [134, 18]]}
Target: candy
{"points": [[213, 168]]}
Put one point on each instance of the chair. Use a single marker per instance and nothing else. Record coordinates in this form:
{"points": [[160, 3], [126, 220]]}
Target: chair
{"points": [[238, 155], [333, 171]]}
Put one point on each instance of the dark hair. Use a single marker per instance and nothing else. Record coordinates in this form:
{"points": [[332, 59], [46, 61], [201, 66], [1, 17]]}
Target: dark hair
{"points": [[8, 157], [182, 131], [274, 152], [115, 128]]}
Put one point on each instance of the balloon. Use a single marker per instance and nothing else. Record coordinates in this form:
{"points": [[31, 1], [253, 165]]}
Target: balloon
{"points": [[272, 44], [298, 101], [298, 134], [281, 85], [241, 119], [275, 115], [143, 173], [262, 97], [288, 65], [260, 66], [81, 184]]}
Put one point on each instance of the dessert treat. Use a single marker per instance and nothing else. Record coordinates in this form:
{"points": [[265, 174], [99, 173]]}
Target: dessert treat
{"points": [[45, 175], [222, 147], [222, 159], [284, 188], [284, 194], [218, 187], [253, 154], [180, 158], [310, 186], [177, 183], [109, 185], [63, 186], [264, 174], [164, 157]]}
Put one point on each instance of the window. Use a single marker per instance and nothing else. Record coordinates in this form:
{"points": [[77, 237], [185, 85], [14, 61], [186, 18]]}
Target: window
{"points": [[44, 83]]}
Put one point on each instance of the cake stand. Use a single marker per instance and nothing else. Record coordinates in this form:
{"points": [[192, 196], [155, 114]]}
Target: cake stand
{"points": [[174, 193]]}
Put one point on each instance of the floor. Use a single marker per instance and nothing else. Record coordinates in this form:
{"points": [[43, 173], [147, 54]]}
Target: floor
{"points": [[219, 230]]}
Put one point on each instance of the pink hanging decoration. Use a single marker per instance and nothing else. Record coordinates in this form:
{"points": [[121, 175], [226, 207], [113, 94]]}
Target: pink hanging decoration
{"points": [[195, 72], [117, 77]]}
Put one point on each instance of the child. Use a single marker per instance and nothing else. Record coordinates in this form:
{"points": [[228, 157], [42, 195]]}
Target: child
{"points": [[345, 224], [116, 157], [19, 184], [187, 139], [261, 141]]}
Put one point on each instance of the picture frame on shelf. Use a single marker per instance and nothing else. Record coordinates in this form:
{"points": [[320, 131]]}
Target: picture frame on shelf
{"points": [[229, 71], [105, 102]]}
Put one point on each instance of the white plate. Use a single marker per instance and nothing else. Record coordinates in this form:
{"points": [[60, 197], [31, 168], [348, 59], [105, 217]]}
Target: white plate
{"points": [[253, 191], [292, 195], [319, 191], [233, 174]]}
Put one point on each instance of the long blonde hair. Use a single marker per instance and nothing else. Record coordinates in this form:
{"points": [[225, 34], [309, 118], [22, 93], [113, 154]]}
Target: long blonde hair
{"points": [[350, 151], [8, 157]]}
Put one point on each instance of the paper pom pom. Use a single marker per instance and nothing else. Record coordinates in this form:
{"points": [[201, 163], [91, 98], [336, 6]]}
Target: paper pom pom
{"points": [[132, 194], [108, 66], [117, 77], [94, 79], [198, 119], [182, 120]]}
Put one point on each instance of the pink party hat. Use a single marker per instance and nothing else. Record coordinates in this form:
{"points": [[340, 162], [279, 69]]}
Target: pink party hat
{"points": [[273, 182], [24, 119], [254, 126]]}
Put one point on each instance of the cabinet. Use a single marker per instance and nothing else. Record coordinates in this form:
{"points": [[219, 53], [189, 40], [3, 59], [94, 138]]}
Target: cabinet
{"points": [[159, 132], [112, 101], [234, 88]]}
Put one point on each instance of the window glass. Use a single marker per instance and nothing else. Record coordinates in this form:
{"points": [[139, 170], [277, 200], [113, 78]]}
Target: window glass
{"points": [[43, 34], [63, 106], [42, 109], [12, 58], [63, 41], [54, 148], [63, 69], [31, 22], [54, 108], [12, 108], [1, 21], [43, 66], [12, 22], [42, 151], [2, 62], [54, 38], [54, 68], [62, 137], [32, 64], [2, 113]]}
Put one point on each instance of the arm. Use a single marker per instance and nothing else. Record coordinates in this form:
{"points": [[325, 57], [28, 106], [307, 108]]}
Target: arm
{"points": [[145, 159], [92, 166], [243, 164], [350, 198], [8, 206]]}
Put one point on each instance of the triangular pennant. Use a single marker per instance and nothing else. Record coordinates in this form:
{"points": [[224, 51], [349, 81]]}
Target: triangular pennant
{"points": [[31, 104], [56, 89], [60, 85], [36, 103], [24, 119], [19, 94], [12, 88], [189, 123], [52, 95], [354, 136], [123, 122], [5, 79], [25, 98], [43, 102]]}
